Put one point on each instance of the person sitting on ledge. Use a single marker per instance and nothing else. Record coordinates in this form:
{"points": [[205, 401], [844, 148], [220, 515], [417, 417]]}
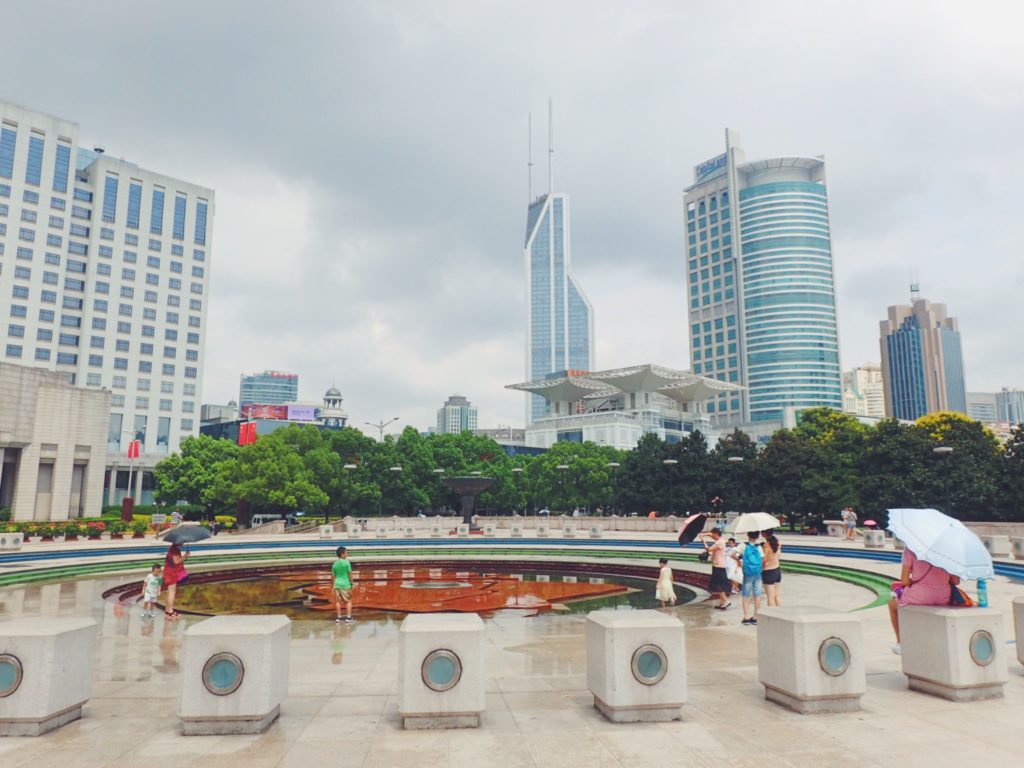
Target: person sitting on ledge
{"points": [[921, 583]]}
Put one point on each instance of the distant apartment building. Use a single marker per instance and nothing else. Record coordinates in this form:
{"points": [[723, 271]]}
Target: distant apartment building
{"points": [[268, 388], [1010, 405], [922, 361], [982, 406], [104, 279], [863, 394], [216, 414], [456, 416]]}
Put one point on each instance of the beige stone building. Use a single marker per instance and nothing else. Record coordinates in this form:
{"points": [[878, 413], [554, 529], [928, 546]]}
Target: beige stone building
{"points": [[53, 445]]}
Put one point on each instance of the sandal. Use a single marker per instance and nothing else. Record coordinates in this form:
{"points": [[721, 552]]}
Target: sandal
{"points": [[723, 607]]}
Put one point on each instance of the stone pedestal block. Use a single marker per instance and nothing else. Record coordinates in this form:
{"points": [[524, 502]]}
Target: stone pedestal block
{"points": [[956, 653], [11, 541], [326, 531], [490, 531], [1018, 626], [441, 670], [354, 532], [234, 674], [46, 669], [516, 531], [383, 531], [436, 531], [595, 531], [874, 539], [835, 528], [409, 531], [1017, 547], [462, 530], [810, 659], [543, 530], [997, 546], [569, 531], [636, 665], [898, 544]]}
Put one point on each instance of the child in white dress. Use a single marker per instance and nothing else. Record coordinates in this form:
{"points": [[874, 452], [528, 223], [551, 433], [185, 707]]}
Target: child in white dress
{"points": [[665, 592]]}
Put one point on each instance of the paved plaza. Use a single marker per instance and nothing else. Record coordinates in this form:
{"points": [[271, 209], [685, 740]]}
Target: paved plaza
{"points": [[342, 705]]}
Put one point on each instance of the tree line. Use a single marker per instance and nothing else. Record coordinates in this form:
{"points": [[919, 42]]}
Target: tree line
{"points": [[805, 474]]}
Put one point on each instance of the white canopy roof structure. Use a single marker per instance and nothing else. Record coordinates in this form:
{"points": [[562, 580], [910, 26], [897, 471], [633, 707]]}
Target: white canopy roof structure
{"points": [[681, 386]]}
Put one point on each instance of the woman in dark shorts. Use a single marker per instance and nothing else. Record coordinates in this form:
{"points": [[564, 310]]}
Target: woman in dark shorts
{"points": [[719, 586], [771, 574]]}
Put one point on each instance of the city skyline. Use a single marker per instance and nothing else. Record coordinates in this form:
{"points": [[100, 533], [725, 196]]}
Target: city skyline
{"points": [[340, 201]]}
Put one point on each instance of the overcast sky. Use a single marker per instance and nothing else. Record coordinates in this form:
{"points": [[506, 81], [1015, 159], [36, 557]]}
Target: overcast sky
{"points": [[369, 162]]}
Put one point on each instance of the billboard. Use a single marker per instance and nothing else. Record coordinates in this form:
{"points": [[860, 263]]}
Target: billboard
{"points": [[255, 411], [709, 168], [301, 413]]}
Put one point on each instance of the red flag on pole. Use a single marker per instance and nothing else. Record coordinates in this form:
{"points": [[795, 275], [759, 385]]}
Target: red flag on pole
{"points": [[133, 449]]}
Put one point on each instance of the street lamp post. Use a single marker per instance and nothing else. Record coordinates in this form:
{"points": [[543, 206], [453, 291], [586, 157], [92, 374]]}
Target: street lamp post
{"points": [[379, 426], [562, 468], [671, 464], [438, 471], [614, 467], [945, 452], [380, 505], [736, 461], [516, 472], [349, 468]]}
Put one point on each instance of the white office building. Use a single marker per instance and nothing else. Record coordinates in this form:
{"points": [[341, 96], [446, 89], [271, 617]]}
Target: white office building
{"points": [[456, 416], [104, 277], [863, 393]]}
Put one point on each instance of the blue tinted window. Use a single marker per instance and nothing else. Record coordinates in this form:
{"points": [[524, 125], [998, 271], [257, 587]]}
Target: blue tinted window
{"points": [[179, 218], [134, 203], [34, 167], [8, 137], [200, 223], [60, 169], [156, 216], [109, 198]]}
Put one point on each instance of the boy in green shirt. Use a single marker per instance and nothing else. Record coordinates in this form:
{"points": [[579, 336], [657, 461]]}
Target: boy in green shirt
{"points": [[342, 570]]}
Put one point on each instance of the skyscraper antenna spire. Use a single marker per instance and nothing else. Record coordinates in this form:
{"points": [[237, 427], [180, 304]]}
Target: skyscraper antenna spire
{"points": [[551, 146], [529, 157]]}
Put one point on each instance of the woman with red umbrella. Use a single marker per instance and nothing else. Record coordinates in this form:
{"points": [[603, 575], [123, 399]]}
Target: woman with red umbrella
{"points": [[174, 574]]}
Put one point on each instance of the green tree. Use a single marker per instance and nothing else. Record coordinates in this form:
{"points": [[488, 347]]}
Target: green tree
{"points": [[269, 476], [967, 482], [735, 482], [189, 475]]}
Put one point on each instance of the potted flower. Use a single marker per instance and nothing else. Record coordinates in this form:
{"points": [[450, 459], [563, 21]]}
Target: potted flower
{"points": [[72, 531], [139, 529], [116, 528], [45, 532], [94, 529]]}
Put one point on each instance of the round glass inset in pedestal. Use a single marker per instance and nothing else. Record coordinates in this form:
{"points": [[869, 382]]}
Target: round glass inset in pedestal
{"points": [[649, 664], [11, 673], [834, 656], [223, 673], [441, 670], [983, 648]]}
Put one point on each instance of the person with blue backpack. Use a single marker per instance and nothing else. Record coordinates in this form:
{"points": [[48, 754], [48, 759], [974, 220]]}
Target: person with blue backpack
{"points": [[751, 559]]}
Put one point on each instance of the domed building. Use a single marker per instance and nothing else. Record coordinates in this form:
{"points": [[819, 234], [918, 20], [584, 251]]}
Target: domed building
{"points": [[332, 415]]}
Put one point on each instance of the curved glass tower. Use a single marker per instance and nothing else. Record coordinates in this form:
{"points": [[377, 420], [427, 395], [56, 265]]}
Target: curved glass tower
{"points": [[560, 320], [762, 305]]}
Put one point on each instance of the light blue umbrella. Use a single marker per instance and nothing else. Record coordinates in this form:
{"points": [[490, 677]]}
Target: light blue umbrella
{"points": [[943, 541]]}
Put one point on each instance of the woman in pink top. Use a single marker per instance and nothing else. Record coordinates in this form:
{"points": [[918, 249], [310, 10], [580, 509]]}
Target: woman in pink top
{"points": [[922, 584]]}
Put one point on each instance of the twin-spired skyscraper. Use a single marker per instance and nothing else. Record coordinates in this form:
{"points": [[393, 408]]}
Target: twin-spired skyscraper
{"points": [[560, 319], [761, 290]]}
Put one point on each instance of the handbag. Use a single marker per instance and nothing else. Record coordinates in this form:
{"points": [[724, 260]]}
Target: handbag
{"points": [[704, 556], [959, 598]]}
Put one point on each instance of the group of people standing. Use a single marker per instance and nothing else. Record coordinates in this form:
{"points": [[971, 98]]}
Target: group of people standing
{"points": [[752, 569]]}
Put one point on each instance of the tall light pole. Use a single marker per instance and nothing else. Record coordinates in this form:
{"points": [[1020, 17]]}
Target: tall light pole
{"points": [[349, 469], [516, 472], [736, 461], [614, 467], [437, 474], [562, 468], [395, 472], [671, 464], [380, 426], [945, 453]]}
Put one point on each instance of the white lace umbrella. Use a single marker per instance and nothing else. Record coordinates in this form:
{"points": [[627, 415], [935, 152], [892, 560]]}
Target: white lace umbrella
{"points": [[752, 521], [943, 541]]}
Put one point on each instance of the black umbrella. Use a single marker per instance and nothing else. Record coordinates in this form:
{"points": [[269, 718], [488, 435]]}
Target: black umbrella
{"points": [[692, 525], [186, 534]]}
